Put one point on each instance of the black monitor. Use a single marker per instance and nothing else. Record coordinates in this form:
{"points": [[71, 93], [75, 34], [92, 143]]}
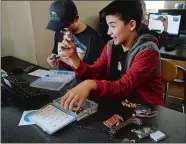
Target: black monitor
{"points": [[155, 23], [181, 12]]}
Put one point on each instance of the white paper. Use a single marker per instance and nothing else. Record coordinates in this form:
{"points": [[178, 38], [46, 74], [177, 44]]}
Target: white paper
{"points": [[39, 73], [25, 120]]}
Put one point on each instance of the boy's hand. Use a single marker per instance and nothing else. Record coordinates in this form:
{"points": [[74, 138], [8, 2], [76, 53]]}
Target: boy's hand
{"points": [[77, 95], [52, 62], [67, 49], [165, 23]]}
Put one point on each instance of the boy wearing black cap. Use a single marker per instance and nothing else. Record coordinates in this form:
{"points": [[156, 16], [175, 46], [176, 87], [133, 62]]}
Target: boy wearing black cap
{"points": [[64, 15]]}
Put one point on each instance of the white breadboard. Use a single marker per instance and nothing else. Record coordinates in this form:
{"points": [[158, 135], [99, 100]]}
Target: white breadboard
{"points": [[51, 119]]}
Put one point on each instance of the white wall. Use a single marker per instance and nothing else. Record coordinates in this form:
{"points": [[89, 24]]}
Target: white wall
{"points": [[6, 46], [43, 38], [23, 27], [89, 11], [17, 30]]}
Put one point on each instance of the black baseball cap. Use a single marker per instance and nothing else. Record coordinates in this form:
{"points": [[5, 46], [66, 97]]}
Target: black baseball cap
{"points": [[62, 12]]}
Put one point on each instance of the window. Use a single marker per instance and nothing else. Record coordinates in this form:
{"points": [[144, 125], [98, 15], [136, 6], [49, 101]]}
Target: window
{"points": [[153, 6]]}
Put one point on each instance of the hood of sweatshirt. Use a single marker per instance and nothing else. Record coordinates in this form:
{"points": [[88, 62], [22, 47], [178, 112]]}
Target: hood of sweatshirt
{"points": [[144, 41]]}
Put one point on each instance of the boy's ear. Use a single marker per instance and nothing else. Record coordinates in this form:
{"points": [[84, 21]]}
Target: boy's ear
{"points": [[76, 19], [132, 25]]}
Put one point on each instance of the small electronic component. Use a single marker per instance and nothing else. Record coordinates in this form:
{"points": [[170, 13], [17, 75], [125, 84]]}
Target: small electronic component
{"points": [[143, 132], [140, 113], [74, 109], [126, 103], [114, 120], [157, 136], [132, 141], [126, 140], [132, 120], [56, 57]]}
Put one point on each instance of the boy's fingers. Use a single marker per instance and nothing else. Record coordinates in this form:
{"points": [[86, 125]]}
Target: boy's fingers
{"points": [[68, 100], [63, 99], [63, 45], [66, 44], [68, 33], [79, 104], [68, 38], [75, 99]]}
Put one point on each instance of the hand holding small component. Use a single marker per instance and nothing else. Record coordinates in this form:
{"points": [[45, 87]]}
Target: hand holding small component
{"points": [[52, 61], [67, 49]]}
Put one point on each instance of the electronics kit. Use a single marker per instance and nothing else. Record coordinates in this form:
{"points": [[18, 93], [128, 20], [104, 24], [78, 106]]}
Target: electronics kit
{"points": [[52, 118], [116, 123]]}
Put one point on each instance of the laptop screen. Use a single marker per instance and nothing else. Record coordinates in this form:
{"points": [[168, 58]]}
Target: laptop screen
{"points": [[156, 23]]}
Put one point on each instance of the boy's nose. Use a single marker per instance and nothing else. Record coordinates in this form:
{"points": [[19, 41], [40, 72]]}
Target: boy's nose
{"points": [[109, 32]]}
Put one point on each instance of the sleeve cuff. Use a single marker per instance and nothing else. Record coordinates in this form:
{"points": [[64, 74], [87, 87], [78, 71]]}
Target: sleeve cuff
{"points": [[81, 70], [65, 65], [100, 88]]}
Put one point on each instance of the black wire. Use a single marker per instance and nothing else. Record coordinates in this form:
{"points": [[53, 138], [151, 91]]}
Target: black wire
{"points": [[93, 129]]}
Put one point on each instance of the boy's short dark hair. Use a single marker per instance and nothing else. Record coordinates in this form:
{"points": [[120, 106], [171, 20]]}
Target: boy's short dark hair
{"points": [[62, 12], [126, 10]]}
